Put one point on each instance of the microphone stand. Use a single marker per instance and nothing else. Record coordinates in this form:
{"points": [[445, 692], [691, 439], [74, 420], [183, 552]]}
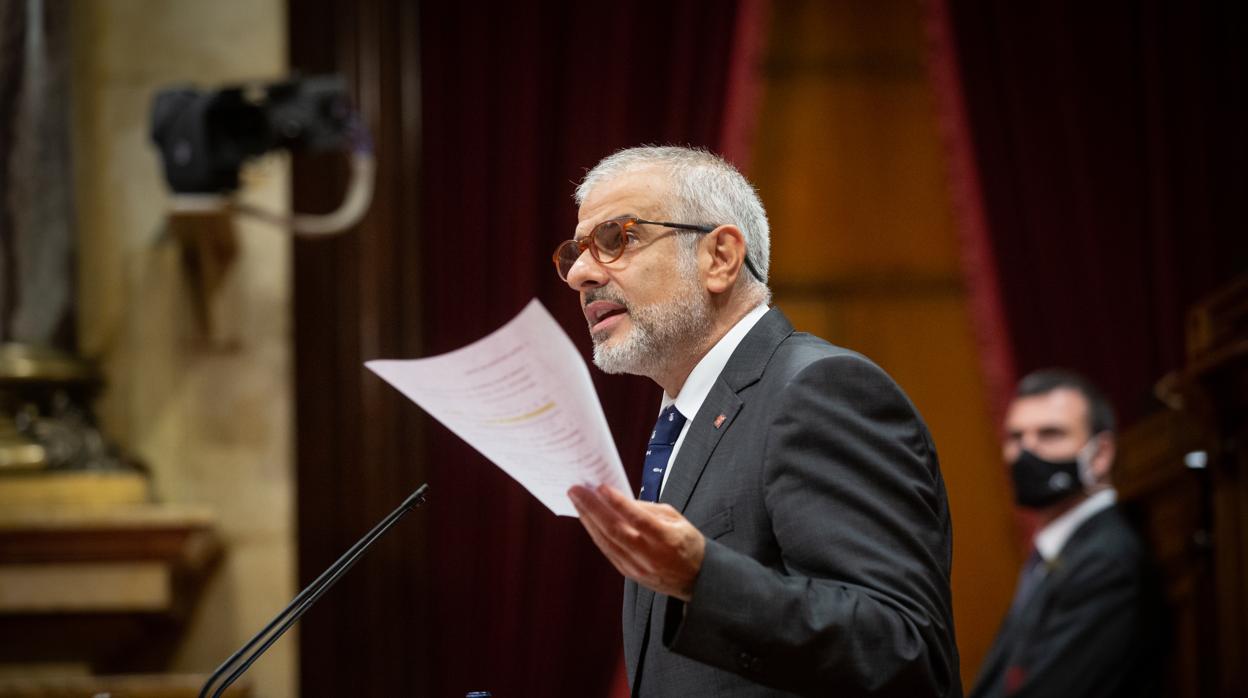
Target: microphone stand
{"points": [[246, 655]]}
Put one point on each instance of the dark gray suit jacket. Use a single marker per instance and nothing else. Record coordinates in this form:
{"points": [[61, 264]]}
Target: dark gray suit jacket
{"points": [[1095, 627], [828, 537]]}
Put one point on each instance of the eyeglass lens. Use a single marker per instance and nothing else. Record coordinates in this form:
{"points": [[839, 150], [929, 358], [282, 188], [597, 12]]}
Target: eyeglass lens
{"points": [[606, 243], [609, 239]]}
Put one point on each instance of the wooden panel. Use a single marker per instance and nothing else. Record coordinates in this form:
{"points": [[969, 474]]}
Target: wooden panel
{"points": [[849, 162], [74, 488], [109, 587], [1214, 389], [1195, 512], [76, 588], [176, 534], [1168, 503]]}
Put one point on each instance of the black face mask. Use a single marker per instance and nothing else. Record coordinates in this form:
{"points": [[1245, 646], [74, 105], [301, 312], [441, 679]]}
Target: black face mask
{"points": [[1039, 483]]}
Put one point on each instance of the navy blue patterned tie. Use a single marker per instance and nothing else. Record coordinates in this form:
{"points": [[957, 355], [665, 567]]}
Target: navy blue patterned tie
{"points": [[659, 451]]}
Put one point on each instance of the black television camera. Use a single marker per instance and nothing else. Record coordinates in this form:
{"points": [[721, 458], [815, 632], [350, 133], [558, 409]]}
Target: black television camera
{"points": [[205, 137]]}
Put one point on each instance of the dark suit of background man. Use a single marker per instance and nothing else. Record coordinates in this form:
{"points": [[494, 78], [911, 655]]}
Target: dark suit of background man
{"points": [[801, 542], [1087, 618]]}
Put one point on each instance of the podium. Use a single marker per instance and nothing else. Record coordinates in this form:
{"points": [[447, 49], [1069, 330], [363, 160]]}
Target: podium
{"points": [[88, 590]]}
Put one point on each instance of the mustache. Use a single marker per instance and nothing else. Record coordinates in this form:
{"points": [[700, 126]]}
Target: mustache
{"points": [[604, 294]]}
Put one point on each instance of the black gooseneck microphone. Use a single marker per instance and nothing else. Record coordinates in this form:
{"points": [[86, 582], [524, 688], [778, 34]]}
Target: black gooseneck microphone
{"points": [[250, 652]]}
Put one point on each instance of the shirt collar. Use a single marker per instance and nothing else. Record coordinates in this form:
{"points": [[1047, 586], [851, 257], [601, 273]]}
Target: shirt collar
{"points": [[702, 378], [1052, 538]]}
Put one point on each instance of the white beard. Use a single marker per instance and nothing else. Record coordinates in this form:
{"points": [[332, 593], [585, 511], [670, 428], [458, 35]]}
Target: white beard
{"points": [[660, 332]]}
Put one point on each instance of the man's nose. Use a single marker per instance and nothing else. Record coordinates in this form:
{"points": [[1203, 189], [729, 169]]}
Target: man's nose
{"points": [[586, 273], [1029, 442]]}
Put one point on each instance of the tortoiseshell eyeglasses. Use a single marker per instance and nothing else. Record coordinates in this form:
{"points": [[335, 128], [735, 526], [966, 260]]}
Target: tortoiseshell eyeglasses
{"points": [[608, 240]]}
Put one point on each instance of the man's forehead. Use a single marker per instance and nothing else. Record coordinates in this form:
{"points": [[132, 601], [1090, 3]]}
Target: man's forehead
{"points": [[638, 193], [1059, 407]]}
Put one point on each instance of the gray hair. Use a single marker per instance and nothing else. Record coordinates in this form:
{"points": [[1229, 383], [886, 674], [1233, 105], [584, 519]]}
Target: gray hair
{"points": [[708, 190]]}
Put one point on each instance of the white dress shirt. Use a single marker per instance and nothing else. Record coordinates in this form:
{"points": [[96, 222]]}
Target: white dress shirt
{"points": [[1052, 538], [702, 378]]}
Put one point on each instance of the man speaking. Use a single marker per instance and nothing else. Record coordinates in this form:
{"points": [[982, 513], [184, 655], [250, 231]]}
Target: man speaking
{"points": [[792, 532]]}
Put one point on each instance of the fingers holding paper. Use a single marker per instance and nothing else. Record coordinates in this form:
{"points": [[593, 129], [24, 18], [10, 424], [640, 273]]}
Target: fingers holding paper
{"points": [[649, 543]]}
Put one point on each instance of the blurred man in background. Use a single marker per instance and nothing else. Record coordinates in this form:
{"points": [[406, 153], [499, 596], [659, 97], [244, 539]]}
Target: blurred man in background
{"points": [[1087, 618]]}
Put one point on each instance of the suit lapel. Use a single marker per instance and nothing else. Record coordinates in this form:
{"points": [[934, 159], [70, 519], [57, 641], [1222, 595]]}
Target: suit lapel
{"points": [[700, 442], [742, 370], [719, 410]]}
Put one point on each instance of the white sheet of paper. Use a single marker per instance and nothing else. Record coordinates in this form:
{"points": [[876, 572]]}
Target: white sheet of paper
{"points": [[522, 396]]}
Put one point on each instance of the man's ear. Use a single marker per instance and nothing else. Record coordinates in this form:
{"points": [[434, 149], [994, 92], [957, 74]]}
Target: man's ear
{"points": [[1103, 462], [726, 246]]}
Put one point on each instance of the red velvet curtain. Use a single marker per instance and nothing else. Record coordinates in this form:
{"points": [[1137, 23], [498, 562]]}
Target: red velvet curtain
{"points": [[1101, 162], [517, 102]]}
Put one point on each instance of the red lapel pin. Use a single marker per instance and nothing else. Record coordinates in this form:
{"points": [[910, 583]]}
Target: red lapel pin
{"points": [[719, 421]]}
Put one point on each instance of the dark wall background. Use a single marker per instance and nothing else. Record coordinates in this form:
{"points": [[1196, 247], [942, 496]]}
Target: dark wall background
{"points": [[1113, 167]]}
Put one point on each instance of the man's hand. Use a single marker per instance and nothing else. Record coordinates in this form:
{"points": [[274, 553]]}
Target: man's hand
{"points": [[649, 543]]}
